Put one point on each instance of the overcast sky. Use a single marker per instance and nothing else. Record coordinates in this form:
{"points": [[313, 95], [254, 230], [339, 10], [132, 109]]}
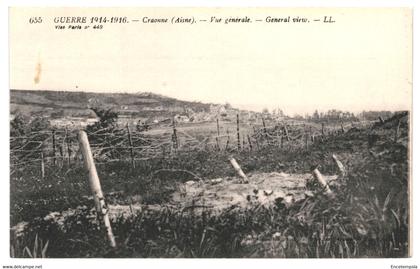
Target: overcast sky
{"points": [[361, 62]]}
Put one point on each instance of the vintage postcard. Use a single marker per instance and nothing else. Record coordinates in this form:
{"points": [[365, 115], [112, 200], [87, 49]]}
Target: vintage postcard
{"points": [[210, 132]]}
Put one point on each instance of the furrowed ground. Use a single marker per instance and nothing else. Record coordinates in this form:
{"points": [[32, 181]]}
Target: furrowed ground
{"points": [[367, 217]]}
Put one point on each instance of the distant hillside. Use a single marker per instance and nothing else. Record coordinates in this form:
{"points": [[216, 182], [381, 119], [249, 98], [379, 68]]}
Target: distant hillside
{"points": [[58, 104]]}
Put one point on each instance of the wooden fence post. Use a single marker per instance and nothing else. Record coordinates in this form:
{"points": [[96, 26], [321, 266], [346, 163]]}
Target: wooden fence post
{"points": [[95, 185], [228, 139], [397, 130], [237, 131], [218, 134], [68, 148], [286, 133], [63, 149], [257, 143], [42, 165], [322, 129], [256, 138], [265, 128], [277, 135], [174, 137], [310, 134], [249, 143], [130, 141], [53, 144]]}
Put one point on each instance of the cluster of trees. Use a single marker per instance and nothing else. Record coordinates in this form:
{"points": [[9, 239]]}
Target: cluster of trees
{"points": [[329, 116], [22, 125], [277, 112], [113, 139], [332, 115]]}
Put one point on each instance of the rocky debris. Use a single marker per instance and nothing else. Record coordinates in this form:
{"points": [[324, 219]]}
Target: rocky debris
{"points": [[216, 181], [309, 193], [268, 192], [288, 200]]}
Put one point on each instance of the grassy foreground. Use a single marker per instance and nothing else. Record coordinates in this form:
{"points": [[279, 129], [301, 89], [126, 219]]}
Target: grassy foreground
{"points": [[369, 216]]}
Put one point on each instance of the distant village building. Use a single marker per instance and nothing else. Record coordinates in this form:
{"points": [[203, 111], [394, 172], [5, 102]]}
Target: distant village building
{"points": [[182, 118], [218, 109]]}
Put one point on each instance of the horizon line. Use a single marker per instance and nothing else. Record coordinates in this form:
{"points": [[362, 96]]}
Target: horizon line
{"points": [[246, 107]]}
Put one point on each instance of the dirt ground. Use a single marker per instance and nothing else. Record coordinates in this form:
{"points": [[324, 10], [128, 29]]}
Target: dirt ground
{"points": [[215, 195], [263, 188]]}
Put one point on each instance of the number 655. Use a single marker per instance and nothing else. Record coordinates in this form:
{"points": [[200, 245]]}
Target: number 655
{"points": [[35, 20]]}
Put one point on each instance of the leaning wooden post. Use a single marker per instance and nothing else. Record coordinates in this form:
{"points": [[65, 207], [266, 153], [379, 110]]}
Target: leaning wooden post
{"points": [[238, 170], [42, 165], [342, 128], [340, 165], [321, 180], [95, 185], [130, 141], [237, 131], [322, 129]]}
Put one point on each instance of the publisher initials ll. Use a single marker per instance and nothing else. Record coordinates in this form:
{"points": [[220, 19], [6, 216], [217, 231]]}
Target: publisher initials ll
{"points": [[328, 19]]}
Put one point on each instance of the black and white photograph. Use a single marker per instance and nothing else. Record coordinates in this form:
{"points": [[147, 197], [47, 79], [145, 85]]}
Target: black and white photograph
{"points": [[210, 133]]}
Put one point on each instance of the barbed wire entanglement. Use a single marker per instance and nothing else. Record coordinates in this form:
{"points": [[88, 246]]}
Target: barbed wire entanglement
{"points": [[60, 147]]}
